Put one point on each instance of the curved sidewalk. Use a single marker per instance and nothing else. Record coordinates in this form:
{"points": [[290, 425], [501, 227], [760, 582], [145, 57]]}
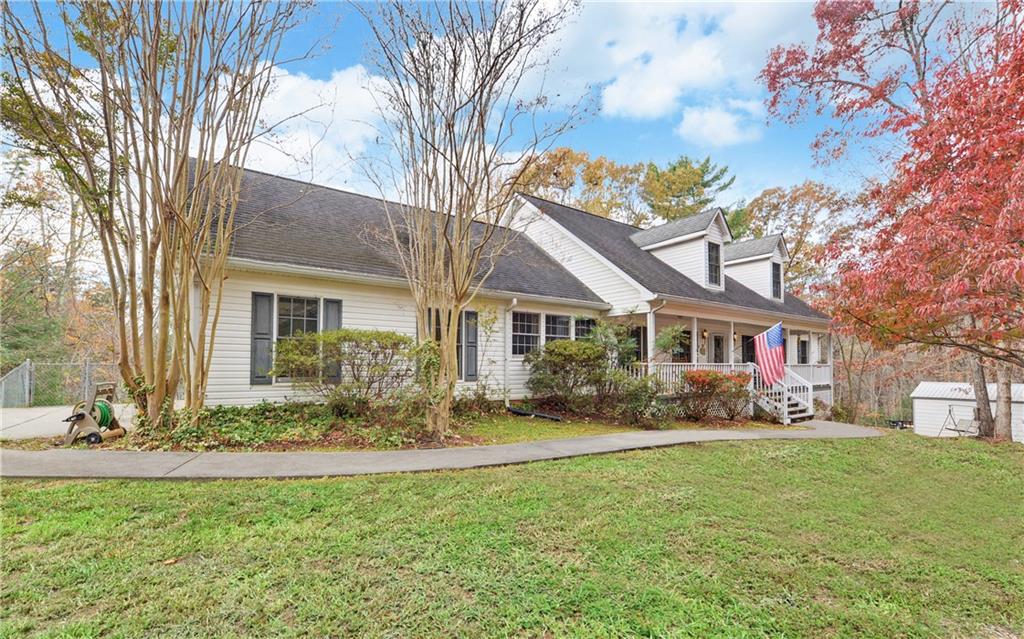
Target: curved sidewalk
{"points": [[88, 464]]}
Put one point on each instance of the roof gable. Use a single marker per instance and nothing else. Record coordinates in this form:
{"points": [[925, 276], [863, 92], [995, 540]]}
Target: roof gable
{"points": [[757, 247], [614, 241], [664, 233]]}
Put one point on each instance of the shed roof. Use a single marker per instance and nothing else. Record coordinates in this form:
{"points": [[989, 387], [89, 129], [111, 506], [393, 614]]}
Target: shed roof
{"points": [[961, 391]]}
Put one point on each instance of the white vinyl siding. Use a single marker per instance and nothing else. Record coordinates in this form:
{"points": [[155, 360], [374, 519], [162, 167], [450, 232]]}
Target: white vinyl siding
{"points": [[365, 306], [755, 275], [598, 276], [689, 258]]}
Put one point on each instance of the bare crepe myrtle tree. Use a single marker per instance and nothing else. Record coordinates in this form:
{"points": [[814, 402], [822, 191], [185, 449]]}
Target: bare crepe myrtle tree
{"points": [[464, 110], [148, 110]]}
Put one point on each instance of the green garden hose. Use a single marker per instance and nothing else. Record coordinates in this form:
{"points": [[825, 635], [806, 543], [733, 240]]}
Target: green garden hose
{"points": [[102, 412], [105, 413]]}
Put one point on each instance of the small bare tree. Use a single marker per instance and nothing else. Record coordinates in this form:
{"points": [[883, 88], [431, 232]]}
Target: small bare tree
{"points": [[147, 110], [461, 126]]}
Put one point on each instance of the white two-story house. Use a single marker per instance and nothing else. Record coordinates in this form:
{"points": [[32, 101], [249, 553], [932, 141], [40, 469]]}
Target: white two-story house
{"points": [[303, 259]]}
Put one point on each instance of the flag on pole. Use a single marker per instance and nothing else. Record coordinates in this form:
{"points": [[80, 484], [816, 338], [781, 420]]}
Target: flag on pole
{"points": [[768, 353]]}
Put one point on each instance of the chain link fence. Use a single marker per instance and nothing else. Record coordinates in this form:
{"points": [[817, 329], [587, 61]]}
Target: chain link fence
{"points": [[56, 383]]}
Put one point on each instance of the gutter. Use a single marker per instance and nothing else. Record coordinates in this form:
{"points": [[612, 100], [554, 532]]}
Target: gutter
{"points": [[690, 300], [262, 266]]}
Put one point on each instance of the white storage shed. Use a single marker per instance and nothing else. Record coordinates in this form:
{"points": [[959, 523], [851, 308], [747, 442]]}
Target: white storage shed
{"points": [[934, 401]]}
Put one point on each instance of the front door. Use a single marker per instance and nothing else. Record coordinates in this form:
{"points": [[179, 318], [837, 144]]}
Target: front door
{"points": [[718, 348]]}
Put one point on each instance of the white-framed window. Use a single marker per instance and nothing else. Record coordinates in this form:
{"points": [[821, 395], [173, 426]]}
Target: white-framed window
{"points": [[714, 264], [525, 332], [557, 327], [584, 326], [297, 315], [777, 280], [803, 347]]}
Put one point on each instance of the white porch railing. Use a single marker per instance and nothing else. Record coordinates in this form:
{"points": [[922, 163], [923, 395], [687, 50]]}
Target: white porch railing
{"points": [[816, 374], [669, 373], [793, 388]]}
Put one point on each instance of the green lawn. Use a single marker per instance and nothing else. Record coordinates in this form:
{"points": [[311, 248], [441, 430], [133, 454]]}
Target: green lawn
{"points": [[887, 537]]}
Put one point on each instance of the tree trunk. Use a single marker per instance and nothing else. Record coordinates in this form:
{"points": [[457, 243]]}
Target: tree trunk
{"points": [[986, 425], [1003, 421]]}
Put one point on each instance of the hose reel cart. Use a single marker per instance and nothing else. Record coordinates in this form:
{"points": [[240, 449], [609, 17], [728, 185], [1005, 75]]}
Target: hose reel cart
{"points": [[94, 420]]}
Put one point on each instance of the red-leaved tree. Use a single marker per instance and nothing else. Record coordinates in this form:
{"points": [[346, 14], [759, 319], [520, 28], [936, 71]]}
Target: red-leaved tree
{"points": [[941, 261]]}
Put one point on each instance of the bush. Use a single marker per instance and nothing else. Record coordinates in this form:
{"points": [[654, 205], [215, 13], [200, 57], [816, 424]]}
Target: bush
{"points": [[565, 373], [703, 393], [367, 365], [477, 402], [248, 426], [632, 399]]}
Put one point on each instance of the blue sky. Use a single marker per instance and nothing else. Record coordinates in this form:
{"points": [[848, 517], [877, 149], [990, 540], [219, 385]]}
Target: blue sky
{"points": [[668, 79]]}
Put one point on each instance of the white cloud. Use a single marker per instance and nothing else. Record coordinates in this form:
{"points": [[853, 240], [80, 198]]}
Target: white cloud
{"points": [[648, 60], [717, 126], [326, 124]]}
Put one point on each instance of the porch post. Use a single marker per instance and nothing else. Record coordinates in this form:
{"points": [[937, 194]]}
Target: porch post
{"points": [[693, 340], [789, 347], [731, 342], [650, 338]]}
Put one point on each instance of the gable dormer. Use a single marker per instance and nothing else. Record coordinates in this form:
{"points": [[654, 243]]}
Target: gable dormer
{"points": [[759, 264], [694, 246]]}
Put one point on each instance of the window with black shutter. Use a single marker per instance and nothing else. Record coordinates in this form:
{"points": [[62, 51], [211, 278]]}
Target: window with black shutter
{"points": [[777, 280]]}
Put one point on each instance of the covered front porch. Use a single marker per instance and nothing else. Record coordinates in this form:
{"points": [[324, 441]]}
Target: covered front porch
{"points": [[724, 341]]}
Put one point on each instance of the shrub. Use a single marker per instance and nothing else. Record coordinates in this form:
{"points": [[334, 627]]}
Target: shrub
{"points": [[632, 399], [566, 372], [365, 365], [248, 426], [476, 402], [703, 393]]}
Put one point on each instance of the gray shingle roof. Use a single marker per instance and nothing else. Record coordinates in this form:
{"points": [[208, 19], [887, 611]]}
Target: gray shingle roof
{"points": [[292, 222], [614, 241], [751, 248], [677, 228]]}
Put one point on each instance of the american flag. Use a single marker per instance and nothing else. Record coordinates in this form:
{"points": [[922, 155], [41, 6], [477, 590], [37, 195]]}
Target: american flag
{"points": [[768, 353]]}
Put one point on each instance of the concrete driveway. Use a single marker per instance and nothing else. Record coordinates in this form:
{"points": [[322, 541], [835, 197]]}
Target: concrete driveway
{"points": [[45, 421]]}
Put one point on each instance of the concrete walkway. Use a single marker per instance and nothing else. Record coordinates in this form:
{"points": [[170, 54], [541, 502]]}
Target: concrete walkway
{"points": [[172, 465], [45, 421]]}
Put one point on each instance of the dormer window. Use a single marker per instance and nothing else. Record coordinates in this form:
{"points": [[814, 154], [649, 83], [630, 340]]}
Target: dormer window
{"points": [[714, 264], [776, 280]]}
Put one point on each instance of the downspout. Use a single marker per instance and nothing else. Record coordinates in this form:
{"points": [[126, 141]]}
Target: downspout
{"points": [[506, 346]]}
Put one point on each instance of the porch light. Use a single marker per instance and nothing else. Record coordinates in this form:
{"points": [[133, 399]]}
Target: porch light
{"points": [[735, 336], [704, 333]]}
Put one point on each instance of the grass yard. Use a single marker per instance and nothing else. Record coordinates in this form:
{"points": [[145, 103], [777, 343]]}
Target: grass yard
{"points": [[509, 429], [891, 537]]}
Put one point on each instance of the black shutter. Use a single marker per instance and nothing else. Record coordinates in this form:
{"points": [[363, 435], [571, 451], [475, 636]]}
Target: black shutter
{"points": [[471, 346], [332, 321], [261, 356]]}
